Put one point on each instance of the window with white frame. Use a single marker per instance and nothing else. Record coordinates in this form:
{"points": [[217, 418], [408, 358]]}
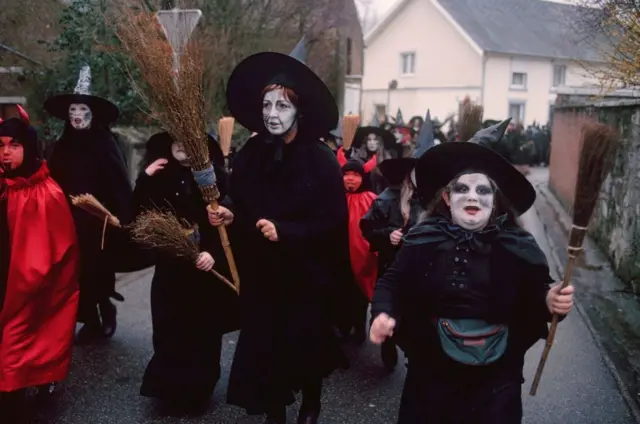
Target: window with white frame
{"points": [[516, 110], [519, 80], [559, 75], [408, 63]]}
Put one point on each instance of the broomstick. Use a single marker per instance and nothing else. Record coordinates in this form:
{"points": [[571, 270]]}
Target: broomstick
{"points": [[176, 98], [225, 132], [599, 146], [349, 128], [91, 205], [164, 231], [470, 120]]}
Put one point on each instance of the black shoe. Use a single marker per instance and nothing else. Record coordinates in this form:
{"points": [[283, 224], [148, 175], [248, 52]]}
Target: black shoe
{"points": [[278, 416], [389, 354], [108, 314], [89, 333]]}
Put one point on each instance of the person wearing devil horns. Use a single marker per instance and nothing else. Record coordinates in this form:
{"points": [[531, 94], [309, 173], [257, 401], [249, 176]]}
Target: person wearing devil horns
{"points": [[39, 264], [288, 221], [87, 160], [469, 291], [190, 308], [393, 213]]}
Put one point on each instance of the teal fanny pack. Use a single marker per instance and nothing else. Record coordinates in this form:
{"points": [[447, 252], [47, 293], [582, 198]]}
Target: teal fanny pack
{"points": [[472, 341]]}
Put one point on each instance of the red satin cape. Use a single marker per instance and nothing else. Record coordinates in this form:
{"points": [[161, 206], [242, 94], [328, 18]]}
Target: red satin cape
{"points": [[364, 263], [37, 321]]}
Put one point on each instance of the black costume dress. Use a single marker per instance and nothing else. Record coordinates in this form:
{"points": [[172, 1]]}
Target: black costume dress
{"points": [[498, 274], [191, 309], [288, 286], [90, 161]]}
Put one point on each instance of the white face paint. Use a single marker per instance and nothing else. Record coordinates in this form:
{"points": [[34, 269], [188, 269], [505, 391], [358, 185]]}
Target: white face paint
{"points": [[278, 113], [177, 150], [471, 201], [373, 144], [80, 116]]}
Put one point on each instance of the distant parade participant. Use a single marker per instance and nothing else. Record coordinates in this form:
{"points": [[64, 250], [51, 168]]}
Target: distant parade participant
{"points": [[39, 261], [469, 292], [392, 214], [288, 218], [87, 160]]}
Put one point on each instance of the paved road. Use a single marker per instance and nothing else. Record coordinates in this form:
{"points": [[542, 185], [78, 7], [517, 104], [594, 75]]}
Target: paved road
{"points": [[103, 386]]}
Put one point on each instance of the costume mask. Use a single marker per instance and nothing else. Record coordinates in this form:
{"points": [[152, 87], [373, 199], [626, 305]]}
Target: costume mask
{"points": [[471, 201], [352, 181], [11, 153], [80, 116], [177, 151], [373, 144], [278, 113]]}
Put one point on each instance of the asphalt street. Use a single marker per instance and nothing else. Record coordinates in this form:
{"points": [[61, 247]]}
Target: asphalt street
{"points": [[577, 387]]}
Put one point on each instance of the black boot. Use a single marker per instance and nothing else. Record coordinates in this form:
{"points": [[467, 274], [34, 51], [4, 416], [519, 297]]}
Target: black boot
{"points": [[108, 314], [13, 407], [91, 330], [276, 416], [389, 354], [310, 408]]}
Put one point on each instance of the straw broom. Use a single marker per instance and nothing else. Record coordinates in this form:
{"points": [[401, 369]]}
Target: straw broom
{"points": [[349, 128], [225, 132], [470, 120], [176, 99], [91, 205], [599, 146], [163, 231]]}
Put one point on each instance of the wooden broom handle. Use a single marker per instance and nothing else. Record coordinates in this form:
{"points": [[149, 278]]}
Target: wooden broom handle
{"points": [[226, 245], [568, 273]]}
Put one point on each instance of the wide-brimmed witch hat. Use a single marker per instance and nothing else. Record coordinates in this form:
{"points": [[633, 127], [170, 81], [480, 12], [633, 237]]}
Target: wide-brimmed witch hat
{"points": [[491, 135], [388, 139], [444, 162], [395, 170], [102, 110], [318, 112]]}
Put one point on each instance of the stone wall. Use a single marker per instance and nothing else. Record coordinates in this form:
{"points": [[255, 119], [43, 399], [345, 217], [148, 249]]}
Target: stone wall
{"points": [[615, 226]]}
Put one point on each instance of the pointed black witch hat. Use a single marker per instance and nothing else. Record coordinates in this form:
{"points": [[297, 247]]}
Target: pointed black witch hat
{"points": [[317, 109], [395, 170], [492, 135], [103, 110]]}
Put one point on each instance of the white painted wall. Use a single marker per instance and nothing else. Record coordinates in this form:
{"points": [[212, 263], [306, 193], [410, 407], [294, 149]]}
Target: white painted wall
{"points": [[446, 65], [352, 94]]}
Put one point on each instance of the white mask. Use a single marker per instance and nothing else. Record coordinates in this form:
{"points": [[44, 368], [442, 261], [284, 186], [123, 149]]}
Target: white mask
{"points": [[177, 150], [278, 113], [373, 144], [471, 201], [80, 116]]}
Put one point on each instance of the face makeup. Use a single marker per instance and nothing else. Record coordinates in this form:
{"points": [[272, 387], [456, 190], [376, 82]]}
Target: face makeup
{"points": [[278, 113], [11, 153], [177, 150], [471, 201], [80, 116], [373, 144]]}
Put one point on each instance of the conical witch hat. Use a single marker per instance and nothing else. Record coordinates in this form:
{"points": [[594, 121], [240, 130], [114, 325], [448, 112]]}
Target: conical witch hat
{"points": [[317, 109], [395, 170], [492, 135], [441, 164], [103, 110], [375, 122], [399, 120]]}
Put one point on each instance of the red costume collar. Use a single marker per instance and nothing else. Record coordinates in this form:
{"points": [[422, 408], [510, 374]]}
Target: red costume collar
{"points": [[18, 183]]}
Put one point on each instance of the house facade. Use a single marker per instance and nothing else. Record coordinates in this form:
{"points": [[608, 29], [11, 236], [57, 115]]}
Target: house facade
{"points": [[511, 56]]}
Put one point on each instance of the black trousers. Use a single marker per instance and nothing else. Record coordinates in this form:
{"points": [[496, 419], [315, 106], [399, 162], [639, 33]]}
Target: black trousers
{"points": [[429, 400]]}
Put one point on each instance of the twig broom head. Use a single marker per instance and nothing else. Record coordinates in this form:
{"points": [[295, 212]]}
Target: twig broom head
{"points": [[470, 120], [91, 205], [164, 231], [349, 128], [600, 143], [225, 133]]}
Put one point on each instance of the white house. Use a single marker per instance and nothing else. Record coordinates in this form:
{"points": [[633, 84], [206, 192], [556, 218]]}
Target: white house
{"points": [[509, 55]]}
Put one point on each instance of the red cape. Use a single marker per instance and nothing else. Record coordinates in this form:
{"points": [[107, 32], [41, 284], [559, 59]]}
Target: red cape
{"points": [[38, 318], [364, 263]]}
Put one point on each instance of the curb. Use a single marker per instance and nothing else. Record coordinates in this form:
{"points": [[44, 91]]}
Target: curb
{"points": [[545, 195]]}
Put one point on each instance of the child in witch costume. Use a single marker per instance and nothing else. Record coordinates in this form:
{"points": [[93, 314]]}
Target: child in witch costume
{"points": [[289, 221], [87, 159], [191, 310], [372, 146], [364, 262], [392, 214], [469, 292], [39, 261]]}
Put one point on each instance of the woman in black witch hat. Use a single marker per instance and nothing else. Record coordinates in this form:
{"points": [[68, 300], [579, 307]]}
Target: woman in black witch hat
{"points": [[391, 216], [469, 292], [190, 308], [372, 146], [289, 222], [87, 159]]}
